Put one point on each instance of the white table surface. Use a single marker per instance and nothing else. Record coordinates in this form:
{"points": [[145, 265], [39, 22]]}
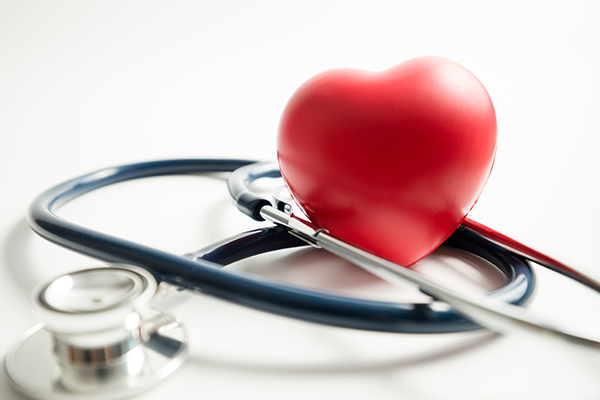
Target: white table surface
{"points": [[85, 85]]}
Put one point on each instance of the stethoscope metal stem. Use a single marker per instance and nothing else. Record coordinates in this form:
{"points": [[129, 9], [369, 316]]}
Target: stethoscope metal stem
{"points": [[497, 316]]}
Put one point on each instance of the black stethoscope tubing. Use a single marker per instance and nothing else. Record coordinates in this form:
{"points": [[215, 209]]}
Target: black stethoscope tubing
{"points": [[205, 274]]}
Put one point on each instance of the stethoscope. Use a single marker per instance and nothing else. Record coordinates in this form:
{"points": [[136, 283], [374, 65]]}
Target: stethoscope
{"points": [[100, 339]]}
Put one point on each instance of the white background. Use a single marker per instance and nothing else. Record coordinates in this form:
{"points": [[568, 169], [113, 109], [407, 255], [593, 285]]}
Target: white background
{"points": [[86, 85]]}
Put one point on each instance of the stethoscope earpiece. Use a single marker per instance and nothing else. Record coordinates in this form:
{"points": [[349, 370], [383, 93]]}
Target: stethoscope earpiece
{"points": [[98, 339]]}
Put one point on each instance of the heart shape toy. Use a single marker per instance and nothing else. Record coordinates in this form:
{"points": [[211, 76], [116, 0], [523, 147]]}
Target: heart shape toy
{"points": [[389, 161]]}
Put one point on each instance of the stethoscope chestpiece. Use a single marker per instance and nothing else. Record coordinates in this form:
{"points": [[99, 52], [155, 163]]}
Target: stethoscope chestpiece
{"points": [[98, 339]]}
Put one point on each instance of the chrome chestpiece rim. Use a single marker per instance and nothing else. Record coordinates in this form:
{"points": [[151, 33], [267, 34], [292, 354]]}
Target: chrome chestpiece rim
{"points": [[98, 338]]}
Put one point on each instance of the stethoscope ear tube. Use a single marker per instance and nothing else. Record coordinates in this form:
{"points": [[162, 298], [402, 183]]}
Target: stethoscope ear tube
{"points": [[578, 274], [205, 274]]}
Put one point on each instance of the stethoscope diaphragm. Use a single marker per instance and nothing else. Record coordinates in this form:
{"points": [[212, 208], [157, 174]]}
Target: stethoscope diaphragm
{"points": [[98, 339]]}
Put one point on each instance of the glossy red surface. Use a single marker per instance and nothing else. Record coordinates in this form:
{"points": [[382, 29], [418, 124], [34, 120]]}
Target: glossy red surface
{"points": [[389, 161]]}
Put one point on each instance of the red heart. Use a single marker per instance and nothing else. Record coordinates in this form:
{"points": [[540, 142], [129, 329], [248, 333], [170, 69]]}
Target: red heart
{"points": [[389, 161]]}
